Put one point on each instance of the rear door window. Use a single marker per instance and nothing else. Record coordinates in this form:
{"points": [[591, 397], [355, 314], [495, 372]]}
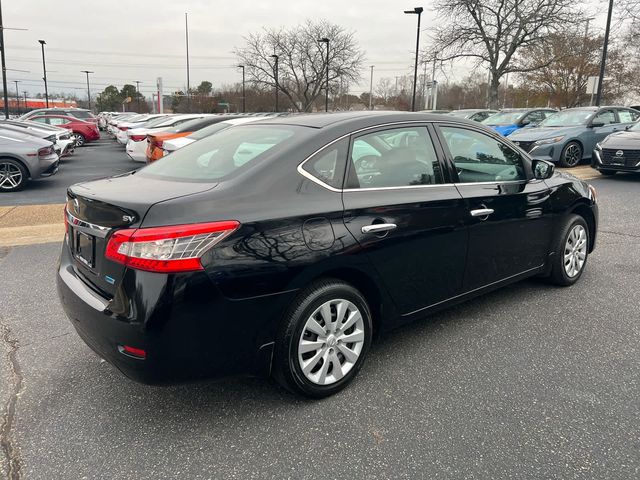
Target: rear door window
{"points": [[397, 157]]}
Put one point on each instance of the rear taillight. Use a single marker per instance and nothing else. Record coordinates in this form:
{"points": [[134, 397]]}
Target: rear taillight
{"points": [[44, 151], [124, 129], [137, 138], [177, 248]]}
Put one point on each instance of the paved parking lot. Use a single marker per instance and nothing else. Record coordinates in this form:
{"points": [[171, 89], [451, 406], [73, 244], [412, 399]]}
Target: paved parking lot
{"points": [[528, 382]]}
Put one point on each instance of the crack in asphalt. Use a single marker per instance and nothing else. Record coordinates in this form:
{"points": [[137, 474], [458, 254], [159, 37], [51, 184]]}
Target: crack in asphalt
{"points": [[623, 234], [8, 443]]}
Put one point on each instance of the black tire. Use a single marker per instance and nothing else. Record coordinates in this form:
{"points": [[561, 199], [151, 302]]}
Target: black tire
{"points": [[559, 275], [80, 140], [287, 369], [608, 172], [571, 155], [12, 172]]}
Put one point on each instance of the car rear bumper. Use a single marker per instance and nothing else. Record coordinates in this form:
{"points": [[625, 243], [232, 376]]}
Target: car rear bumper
{"points": [[186, 327]]}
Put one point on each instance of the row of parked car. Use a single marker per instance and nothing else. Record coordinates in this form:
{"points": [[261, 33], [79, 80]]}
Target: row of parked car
{"points": [[607, 136], [32, 145], [150, 137]]}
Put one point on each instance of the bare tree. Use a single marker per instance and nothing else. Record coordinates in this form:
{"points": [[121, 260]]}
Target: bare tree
{"points": [[494, 32], [302, 60]]}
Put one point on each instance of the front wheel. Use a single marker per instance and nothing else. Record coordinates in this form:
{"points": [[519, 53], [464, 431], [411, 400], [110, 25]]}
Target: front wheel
{"points": [[571, 155], [571, 251], [13, 175], [324, 339]]}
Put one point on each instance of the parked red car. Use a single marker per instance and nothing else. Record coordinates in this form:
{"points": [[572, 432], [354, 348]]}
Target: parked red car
{"points": [[84, 131]]}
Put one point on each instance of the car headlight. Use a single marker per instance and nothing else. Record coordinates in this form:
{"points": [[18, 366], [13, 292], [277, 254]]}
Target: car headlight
{"points": [[548, 141], [598, 146]]}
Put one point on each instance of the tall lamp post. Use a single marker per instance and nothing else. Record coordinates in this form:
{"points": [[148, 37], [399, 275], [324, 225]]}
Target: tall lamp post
{"points": [[326, 96], [244, 103], [44, 69], [275, 74], [371, 90], [604, 54], [186, 36], [416, 11], [4, 69], [87, 72], [138, 82]]}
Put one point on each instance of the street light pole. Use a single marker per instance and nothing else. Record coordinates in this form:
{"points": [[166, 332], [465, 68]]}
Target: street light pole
{"points": [[87, 72], [326, 96], [244, 103], [416, 11], [44, 69], [275, 75], [138, 82], [371, 90], [4, 68], [604, 54], [186, 33]]}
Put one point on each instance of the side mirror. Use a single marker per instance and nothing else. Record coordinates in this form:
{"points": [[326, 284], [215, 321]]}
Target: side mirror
{"points": [[542, 169], [596, 124], [524, 123], [628, 127]]}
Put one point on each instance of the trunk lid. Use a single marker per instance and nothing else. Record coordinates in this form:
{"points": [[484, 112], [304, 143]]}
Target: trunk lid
{"points": [[96, 209]]}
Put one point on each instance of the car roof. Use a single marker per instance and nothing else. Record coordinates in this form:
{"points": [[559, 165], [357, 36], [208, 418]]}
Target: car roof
{"points": [[359, 119]]}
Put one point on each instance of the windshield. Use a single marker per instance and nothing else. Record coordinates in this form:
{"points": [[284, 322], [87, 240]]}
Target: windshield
{"points": [[503, 118], [218, 156], [567, 118]]}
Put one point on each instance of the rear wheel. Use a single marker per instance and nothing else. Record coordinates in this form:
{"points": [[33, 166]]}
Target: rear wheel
{"points": [[13, 175], [324, 339], [571, 251], [571, 155], [80, 140], [608, 172]]}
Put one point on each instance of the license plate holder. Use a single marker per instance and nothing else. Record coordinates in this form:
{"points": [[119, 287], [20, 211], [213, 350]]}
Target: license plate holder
{"points": [[85, 249]]}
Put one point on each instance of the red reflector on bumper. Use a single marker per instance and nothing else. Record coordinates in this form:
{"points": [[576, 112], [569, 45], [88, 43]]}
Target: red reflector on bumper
{"points": [[138, 353]]}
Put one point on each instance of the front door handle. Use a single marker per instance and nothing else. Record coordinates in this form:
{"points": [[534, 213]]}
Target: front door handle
{"points": [[378, 227], [481, 212]]}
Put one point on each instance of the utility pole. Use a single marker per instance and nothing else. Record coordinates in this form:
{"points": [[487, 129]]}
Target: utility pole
{"points": [[138, 82], [4, 68], [604, 54], [186, 32], [88, 90], [371, 90]]}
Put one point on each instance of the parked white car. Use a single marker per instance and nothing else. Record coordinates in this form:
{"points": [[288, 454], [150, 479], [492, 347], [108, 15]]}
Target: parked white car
{"points": [[176, 143], [137, 137]]}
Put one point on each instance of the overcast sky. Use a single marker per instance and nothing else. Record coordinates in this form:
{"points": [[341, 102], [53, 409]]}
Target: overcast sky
{"points": [[143, 39]]}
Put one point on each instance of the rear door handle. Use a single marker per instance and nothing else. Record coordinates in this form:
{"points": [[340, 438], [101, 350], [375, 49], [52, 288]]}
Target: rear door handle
{"points": [[378, 227], [481, 212]]}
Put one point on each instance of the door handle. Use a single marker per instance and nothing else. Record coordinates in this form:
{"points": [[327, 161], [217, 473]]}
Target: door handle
{"points": [[481, 212], [378, 227]]}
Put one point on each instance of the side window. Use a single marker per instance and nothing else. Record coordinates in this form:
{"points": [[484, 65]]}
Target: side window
{"points": [[481, 158], [534, 117], [57, 121], [39, 119], [627, 116], [399, 157], [606, 116], [328, 164]]}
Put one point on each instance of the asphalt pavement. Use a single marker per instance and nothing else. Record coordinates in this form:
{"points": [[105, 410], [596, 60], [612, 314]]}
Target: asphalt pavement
{"points": [[531, 381]]}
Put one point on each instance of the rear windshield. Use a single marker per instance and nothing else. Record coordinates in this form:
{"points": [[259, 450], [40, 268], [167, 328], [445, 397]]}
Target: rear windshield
{"points": [[194, 124], [210, 130], [82, 114], [220, 155]]}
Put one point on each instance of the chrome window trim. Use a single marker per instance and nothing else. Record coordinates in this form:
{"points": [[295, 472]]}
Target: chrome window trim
{"points": [[317, 181]]}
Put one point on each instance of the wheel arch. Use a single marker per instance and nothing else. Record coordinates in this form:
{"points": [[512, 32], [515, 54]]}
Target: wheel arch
{"points": [[584, 210]]}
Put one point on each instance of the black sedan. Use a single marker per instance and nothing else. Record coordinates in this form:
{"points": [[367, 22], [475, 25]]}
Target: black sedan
{"points": [[282, 247], [619, 152]]}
